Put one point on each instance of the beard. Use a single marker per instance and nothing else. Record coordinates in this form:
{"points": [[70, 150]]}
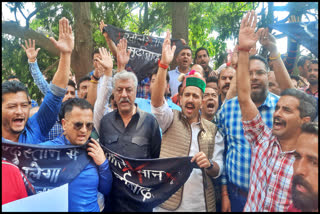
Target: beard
{"points": [[304, 201], [313, 81], [259, 97]]}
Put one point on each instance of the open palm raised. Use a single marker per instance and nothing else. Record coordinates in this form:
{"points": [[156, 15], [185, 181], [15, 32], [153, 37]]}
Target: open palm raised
{"points": [[30, 49], [65, 43], [247, 37]]}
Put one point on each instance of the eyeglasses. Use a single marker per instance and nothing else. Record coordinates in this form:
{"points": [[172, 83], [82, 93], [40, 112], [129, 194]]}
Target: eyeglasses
{"points": [[79, 125]]}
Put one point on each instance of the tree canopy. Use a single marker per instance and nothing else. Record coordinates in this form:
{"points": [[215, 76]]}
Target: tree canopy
{"points": [[141, 17]]}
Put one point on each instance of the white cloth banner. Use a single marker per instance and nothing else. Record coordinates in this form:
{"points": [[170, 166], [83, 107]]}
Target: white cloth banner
{"points": [[54, 200]]}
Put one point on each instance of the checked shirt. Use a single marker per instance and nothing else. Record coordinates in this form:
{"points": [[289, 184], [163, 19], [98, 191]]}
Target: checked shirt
{"points": [[238, 151], [271, 170]]}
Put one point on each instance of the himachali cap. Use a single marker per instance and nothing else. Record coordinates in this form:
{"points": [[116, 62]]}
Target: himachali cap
{"points": [[195, 79]]}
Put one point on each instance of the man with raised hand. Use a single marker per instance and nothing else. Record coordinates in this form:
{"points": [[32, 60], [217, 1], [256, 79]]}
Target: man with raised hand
{"points": [[236, 177], [272, 149], [127, 131], [185, 133], [16, 124]]}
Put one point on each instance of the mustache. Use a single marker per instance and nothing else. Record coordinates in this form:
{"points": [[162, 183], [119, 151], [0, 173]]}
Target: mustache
{"points": [[312, 76], [279, 119], [298, 180], [189, 104], [124, 99], [226, 85]]}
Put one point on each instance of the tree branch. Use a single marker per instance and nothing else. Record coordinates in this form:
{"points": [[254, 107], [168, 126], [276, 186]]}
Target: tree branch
{"points": [[23, 33], [50, 67], [21, 12], [15, 14]]}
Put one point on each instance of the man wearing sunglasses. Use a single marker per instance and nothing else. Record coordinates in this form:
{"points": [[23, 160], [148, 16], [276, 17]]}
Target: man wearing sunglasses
{"points": [[76, 116]]}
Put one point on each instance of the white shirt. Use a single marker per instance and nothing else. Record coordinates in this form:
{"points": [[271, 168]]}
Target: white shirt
{"points": [[193, 193], [103, 94]]}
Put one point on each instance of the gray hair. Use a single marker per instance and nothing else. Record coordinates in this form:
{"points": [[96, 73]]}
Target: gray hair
{"points": [[125, 75]]}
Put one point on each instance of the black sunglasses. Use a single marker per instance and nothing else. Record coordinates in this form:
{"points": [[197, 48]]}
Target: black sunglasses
{"points": [[79, 125]]}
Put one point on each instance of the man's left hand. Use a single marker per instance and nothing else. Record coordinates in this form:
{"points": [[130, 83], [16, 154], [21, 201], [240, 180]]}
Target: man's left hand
{"points": [[201, 160], [268, 41]]}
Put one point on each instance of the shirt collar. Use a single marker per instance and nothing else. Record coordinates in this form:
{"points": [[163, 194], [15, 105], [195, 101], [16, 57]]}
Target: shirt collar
{"points": [[117, 115], [267, 102]]}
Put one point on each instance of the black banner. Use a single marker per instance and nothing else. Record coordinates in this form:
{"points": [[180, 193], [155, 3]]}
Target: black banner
{"points": [[149, 181], [145, 50], [46, 167], [146, 181]]}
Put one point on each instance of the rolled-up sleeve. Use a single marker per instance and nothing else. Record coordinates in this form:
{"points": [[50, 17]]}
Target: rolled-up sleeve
{"points": [[164, 115], [218, 152]]}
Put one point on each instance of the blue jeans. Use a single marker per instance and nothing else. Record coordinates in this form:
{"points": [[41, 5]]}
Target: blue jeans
{"points": [[237, 197]]}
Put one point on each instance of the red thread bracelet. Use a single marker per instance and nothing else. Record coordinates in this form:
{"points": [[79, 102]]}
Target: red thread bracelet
{"points": [[162, 65], [243, 49]]}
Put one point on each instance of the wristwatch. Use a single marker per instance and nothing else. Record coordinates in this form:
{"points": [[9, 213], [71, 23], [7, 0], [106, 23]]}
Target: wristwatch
{"points": [[211, 165]]}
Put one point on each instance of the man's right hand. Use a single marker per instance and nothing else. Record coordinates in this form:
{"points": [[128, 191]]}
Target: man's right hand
{"points": [[247, 35], [123, 55], [30, 50], [106, 61], [167, 50]]}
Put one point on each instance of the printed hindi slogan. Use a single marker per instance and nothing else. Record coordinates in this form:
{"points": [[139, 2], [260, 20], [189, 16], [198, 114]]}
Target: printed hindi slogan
{"points": [[145, 50], [151, 181], [46, 167]]}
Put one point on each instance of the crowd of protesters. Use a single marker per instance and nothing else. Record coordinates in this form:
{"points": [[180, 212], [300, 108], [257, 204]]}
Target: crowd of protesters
{"points": [[250, 126]]}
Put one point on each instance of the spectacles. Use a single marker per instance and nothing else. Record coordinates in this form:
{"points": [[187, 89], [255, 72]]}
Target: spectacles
{"points": [[79, 125]]}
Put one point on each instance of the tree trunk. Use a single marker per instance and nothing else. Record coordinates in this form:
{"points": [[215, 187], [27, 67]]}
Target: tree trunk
{"points": [[83, 47], [180, 23]]}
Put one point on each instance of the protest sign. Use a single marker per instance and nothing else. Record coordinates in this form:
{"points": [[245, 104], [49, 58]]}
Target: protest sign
{"points": [[45, 166], [145, 50], [148, 182]]}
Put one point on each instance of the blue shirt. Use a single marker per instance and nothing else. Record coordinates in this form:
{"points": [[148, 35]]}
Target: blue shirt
{"points": [[83, 190], [38, 78], [56, 131], [238, 155], [34, 103], [39, 125], [174, 82], [145, 104]]}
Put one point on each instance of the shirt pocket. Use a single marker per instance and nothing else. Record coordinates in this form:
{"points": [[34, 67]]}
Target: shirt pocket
{"points": [[140, 141], [112, 139]]}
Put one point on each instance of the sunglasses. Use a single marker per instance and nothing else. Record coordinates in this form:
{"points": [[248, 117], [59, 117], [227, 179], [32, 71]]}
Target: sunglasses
{"points": [[79, 125]]}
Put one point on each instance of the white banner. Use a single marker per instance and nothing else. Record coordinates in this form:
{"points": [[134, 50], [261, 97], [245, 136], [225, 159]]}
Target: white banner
{"points": [[54, 200]]}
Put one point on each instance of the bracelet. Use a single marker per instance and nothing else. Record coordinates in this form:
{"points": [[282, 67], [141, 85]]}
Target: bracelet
{"points": [[162, 65], [96, 78], [93, 81], [33, 61], [243, 49], [274, 58]]}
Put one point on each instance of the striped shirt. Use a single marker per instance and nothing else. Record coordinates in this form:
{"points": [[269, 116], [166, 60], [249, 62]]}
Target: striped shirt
{"points": [[238, 155], [271, 170]]}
